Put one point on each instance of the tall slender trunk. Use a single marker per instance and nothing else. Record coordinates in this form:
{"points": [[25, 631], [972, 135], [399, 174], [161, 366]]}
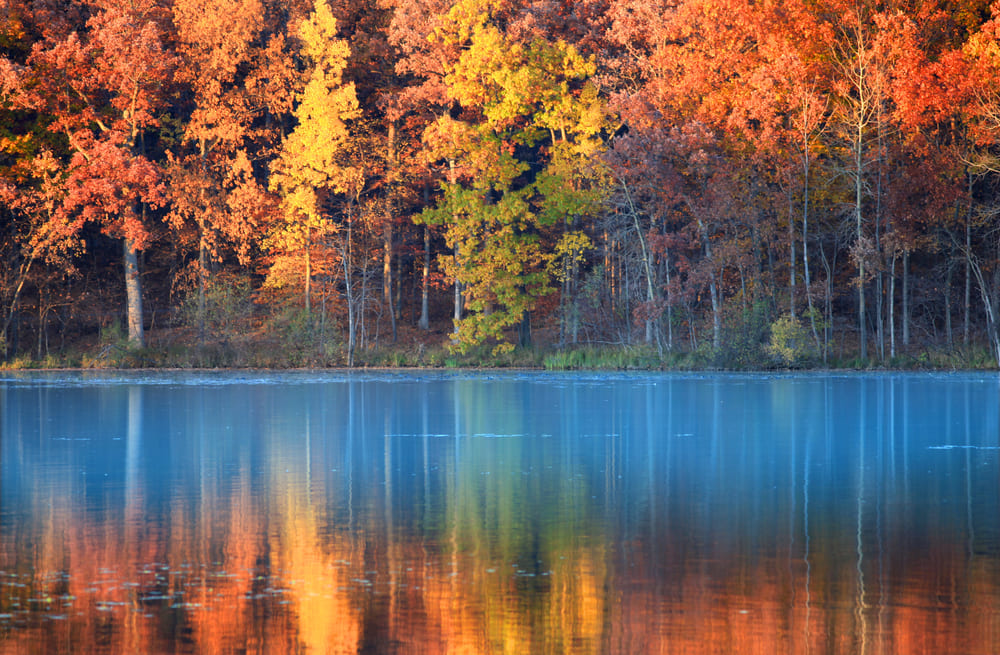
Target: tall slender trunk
{"points": [[791, 259], [862, 331], [387, 234], [202, 265], [202, 245], [713, 291], [968, 276], [805, 247], [133, 295], [308, 273], [349, 291], [458, 296], [453, 180], [425, 276], [892, 309], [12, 308], [670, 302], [652, 329], [906, 298], [716, 313], [387, 277], [991, 298], [949, 335], [827, 301]]}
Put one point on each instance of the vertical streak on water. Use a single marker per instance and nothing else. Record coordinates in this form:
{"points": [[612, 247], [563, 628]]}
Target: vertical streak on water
{"points": [[133, 502], [708, 528], [968, 473], [455, 481], [793, 497], [860, 606], [892, 432], [387, 465], [204, 511], [426, 450], [650, 457], [392, 543], [133, 447], [880, 489], [309, 476], [807, 465], [349, 464], [906, 440]]}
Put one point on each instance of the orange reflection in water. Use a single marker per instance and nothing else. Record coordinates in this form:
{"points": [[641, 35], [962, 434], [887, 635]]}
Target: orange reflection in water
{"points": [[118, 585]]}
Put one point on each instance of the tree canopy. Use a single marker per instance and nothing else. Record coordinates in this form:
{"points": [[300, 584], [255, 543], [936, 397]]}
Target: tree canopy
{"points": [[698, 177]]}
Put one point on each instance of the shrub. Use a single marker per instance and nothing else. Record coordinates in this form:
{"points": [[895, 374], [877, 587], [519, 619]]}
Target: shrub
{"points": [[789, 341]]}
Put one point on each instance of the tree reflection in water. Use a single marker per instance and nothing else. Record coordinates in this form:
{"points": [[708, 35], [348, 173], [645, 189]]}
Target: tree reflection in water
{"points": [[500, 513]]}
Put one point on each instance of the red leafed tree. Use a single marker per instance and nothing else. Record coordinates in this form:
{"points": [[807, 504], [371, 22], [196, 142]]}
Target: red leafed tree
{"points": [[102, 88]]}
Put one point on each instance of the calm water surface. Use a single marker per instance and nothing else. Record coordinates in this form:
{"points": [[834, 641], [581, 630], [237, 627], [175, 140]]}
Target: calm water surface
{"points": [[499, 513]]}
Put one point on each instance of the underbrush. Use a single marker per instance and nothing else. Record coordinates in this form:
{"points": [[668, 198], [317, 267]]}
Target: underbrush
{"points": [[606, 358], [287, 341]]}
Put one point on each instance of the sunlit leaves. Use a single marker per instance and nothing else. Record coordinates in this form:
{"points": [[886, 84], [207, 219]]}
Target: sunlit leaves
{"points": [[313, 159], [522, 159]]}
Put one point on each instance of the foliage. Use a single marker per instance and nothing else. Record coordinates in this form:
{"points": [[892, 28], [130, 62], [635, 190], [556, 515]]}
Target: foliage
{"points": [[589, 357], [312, 162], [228, 304], [524, 156], [789, 340], [727, 187]]}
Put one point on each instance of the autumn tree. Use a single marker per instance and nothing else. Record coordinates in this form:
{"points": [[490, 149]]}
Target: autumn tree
{"points": [[311, 164], [982, 54], [528, 123], [103, 89], [235, 66]]}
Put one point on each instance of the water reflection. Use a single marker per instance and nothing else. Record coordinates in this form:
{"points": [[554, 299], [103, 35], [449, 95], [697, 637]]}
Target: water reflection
{"points": [[512, 513]]}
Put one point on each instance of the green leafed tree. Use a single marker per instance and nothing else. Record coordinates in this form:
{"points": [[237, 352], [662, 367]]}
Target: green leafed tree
{"points": [[521, 149]]}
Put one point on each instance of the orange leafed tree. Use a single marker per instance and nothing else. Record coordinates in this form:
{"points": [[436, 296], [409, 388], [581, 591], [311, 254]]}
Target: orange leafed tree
{"points": [[227, 50]]}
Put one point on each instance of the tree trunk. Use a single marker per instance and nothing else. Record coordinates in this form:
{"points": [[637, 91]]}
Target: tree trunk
{"points": [[202, 265], [6, 346], [133, 295], [862, 332], [652, 327], [202, 247], [458, 297], [716, 313], [387, 276], [949, 335], [349, 291], [524, 330], [968, 278], [670, 302], [308, 280], [906, 298], [990, 298], [892, 309], [425, 323], [791, 261], [387, 234], [453, 180]]}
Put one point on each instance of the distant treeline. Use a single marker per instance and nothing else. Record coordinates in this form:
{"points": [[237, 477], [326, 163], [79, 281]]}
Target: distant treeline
{"points": [[745, 183]]}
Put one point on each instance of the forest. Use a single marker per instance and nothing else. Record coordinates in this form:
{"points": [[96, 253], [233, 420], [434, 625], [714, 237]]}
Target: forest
{"points": [[666, 183]]}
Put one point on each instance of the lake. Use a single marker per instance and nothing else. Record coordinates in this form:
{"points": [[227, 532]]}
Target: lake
{"points": [[452, 512]]}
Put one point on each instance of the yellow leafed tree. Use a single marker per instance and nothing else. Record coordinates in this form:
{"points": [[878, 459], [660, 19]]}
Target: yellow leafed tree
{"points": [[313, 162]]}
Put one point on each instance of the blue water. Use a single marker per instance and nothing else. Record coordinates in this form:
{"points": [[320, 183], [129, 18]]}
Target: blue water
{"points": [[499, 512]]}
